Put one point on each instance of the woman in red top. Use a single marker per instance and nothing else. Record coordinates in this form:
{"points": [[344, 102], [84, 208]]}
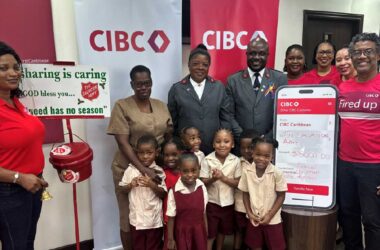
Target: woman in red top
{"points": [[344, 66], [21, 159], [323, 57], [295, 66]]}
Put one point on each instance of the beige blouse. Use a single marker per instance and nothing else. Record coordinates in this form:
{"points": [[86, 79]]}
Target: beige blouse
{"points": [[219, 192], [262, 190], [239, 204], [127, 119]]}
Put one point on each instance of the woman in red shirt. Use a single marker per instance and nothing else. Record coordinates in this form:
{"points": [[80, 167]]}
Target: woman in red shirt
{"points": [[295, 66], [21, 159], [344, 66], [323, 57]]}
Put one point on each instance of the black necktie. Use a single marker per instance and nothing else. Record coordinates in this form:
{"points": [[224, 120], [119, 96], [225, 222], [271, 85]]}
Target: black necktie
{"points": [[256, 83]]}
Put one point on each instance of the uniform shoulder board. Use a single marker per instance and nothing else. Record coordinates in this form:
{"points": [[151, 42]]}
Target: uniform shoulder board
{"points": [[184, 80], [244, 73], [279, 71]]}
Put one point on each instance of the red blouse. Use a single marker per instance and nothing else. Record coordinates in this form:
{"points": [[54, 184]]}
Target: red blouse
{"points": [[21, 139]]}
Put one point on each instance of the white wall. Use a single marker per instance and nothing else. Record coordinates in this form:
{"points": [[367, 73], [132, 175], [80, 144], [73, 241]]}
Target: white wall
{"points": [[56, 226]]}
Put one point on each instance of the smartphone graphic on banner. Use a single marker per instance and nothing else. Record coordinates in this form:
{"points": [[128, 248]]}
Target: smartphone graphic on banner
{"points": [[306, 129]]}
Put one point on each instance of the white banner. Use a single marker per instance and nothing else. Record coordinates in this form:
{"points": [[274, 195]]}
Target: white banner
{"points": [[120, 34], [66, 91]]}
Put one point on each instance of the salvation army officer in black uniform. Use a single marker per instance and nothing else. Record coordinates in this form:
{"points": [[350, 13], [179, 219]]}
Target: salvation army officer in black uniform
{"points": [[198, 100], [251, 91]]}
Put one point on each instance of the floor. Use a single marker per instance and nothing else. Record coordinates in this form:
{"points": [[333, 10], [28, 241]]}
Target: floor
{"points": [[229, 242]]}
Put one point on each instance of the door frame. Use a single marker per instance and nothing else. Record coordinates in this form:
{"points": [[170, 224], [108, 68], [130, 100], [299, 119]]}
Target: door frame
{"points": [[331, 16]]}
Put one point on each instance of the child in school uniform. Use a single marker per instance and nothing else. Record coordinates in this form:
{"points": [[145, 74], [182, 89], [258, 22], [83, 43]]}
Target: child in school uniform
{"points": [[264, 189], [246, 160], [187, 225], [171, 150], [220, 171], [191, 139], [145, 197]]}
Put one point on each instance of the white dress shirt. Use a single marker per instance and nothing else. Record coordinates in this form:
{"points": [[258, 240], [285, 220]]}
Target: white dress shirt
{"points": [[252, 75], [198, 87]]}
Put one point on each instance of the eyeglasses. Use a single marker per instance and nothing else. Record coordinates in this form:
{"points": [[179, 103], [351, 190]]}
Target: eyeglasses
{"points": [[365, 52], [325, 52], [139, 85]]}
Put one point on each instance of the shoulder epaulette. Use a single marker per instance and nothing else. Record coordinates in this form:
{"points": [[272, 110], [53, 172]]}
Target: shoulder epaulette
{"points": [[184, 80]]}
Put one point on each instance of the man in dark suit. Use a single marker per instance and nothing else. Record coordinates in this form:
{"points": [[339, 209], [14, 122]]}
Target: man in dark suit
{"points": [[251, 91]]}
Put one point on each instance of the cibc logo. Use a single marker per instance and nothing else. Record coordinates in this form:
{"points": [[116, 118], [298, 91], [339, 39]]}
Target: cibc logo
{"points": [[119, 40], [226, 40], [289, 104]]}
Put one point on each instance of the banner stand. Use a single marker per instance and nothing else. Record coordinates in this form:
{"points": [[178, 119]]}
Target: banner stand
{"points": [[309, 229], [62, 91], [71, 140], [76, 221], [70, 132]]}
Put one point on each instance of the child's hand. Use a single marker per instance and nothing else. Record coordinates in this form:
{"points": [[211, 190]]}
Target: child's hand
{"points": [[146, 181], [255, 220], [135, 182], [217, 174], [153, 173], [266, 219], [171, 244]]}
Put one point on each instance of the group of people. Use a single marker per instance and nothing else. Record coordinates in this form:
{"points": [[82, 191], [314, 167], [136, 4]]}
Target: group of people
{"points": [[198, 196], [176, 173], [201, 109]]}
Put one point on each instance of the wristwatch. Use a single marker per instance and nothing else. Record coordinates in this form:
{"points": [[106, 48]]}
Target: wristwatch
{"points": [[16, 176]]}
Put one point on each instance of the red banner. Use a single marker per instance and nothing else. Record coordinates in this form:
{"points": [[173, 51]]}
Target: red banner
{"points": [[226, 27], [27, 26]]}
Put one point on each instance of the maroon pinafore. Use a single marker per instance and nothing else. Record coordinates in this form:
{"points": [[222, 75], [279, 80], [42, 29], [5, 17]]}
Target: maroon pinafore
{"points": [[189, 229]]}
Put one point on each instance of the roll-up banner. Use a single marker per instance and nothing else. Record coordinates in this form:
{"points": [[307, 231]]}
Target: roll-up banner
{"points": [[226, 27], [118, 35]]}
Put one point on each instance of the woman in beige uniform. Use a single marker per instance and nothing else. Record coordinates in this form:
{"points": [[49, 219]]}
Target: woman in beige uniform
{"points": [[131, 118]]}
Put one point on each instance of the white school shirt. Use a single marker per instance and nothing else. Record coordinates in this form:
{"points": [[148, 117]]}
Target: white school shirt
{"points": [[145, 207], [262, 191], [239, 203], [218, 192], [198, 87], [180, 187], [200, 155]]}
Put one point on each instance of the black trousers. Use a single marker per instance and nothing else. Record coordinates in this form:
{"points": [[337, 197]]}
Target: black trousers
{"points": [[359, 204], [19, 214]]}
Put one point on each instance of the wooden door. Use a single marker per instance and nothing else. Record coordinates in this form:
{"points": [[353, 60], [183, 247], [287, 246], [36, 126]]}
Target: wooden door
{"points": [[337, 28]]}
